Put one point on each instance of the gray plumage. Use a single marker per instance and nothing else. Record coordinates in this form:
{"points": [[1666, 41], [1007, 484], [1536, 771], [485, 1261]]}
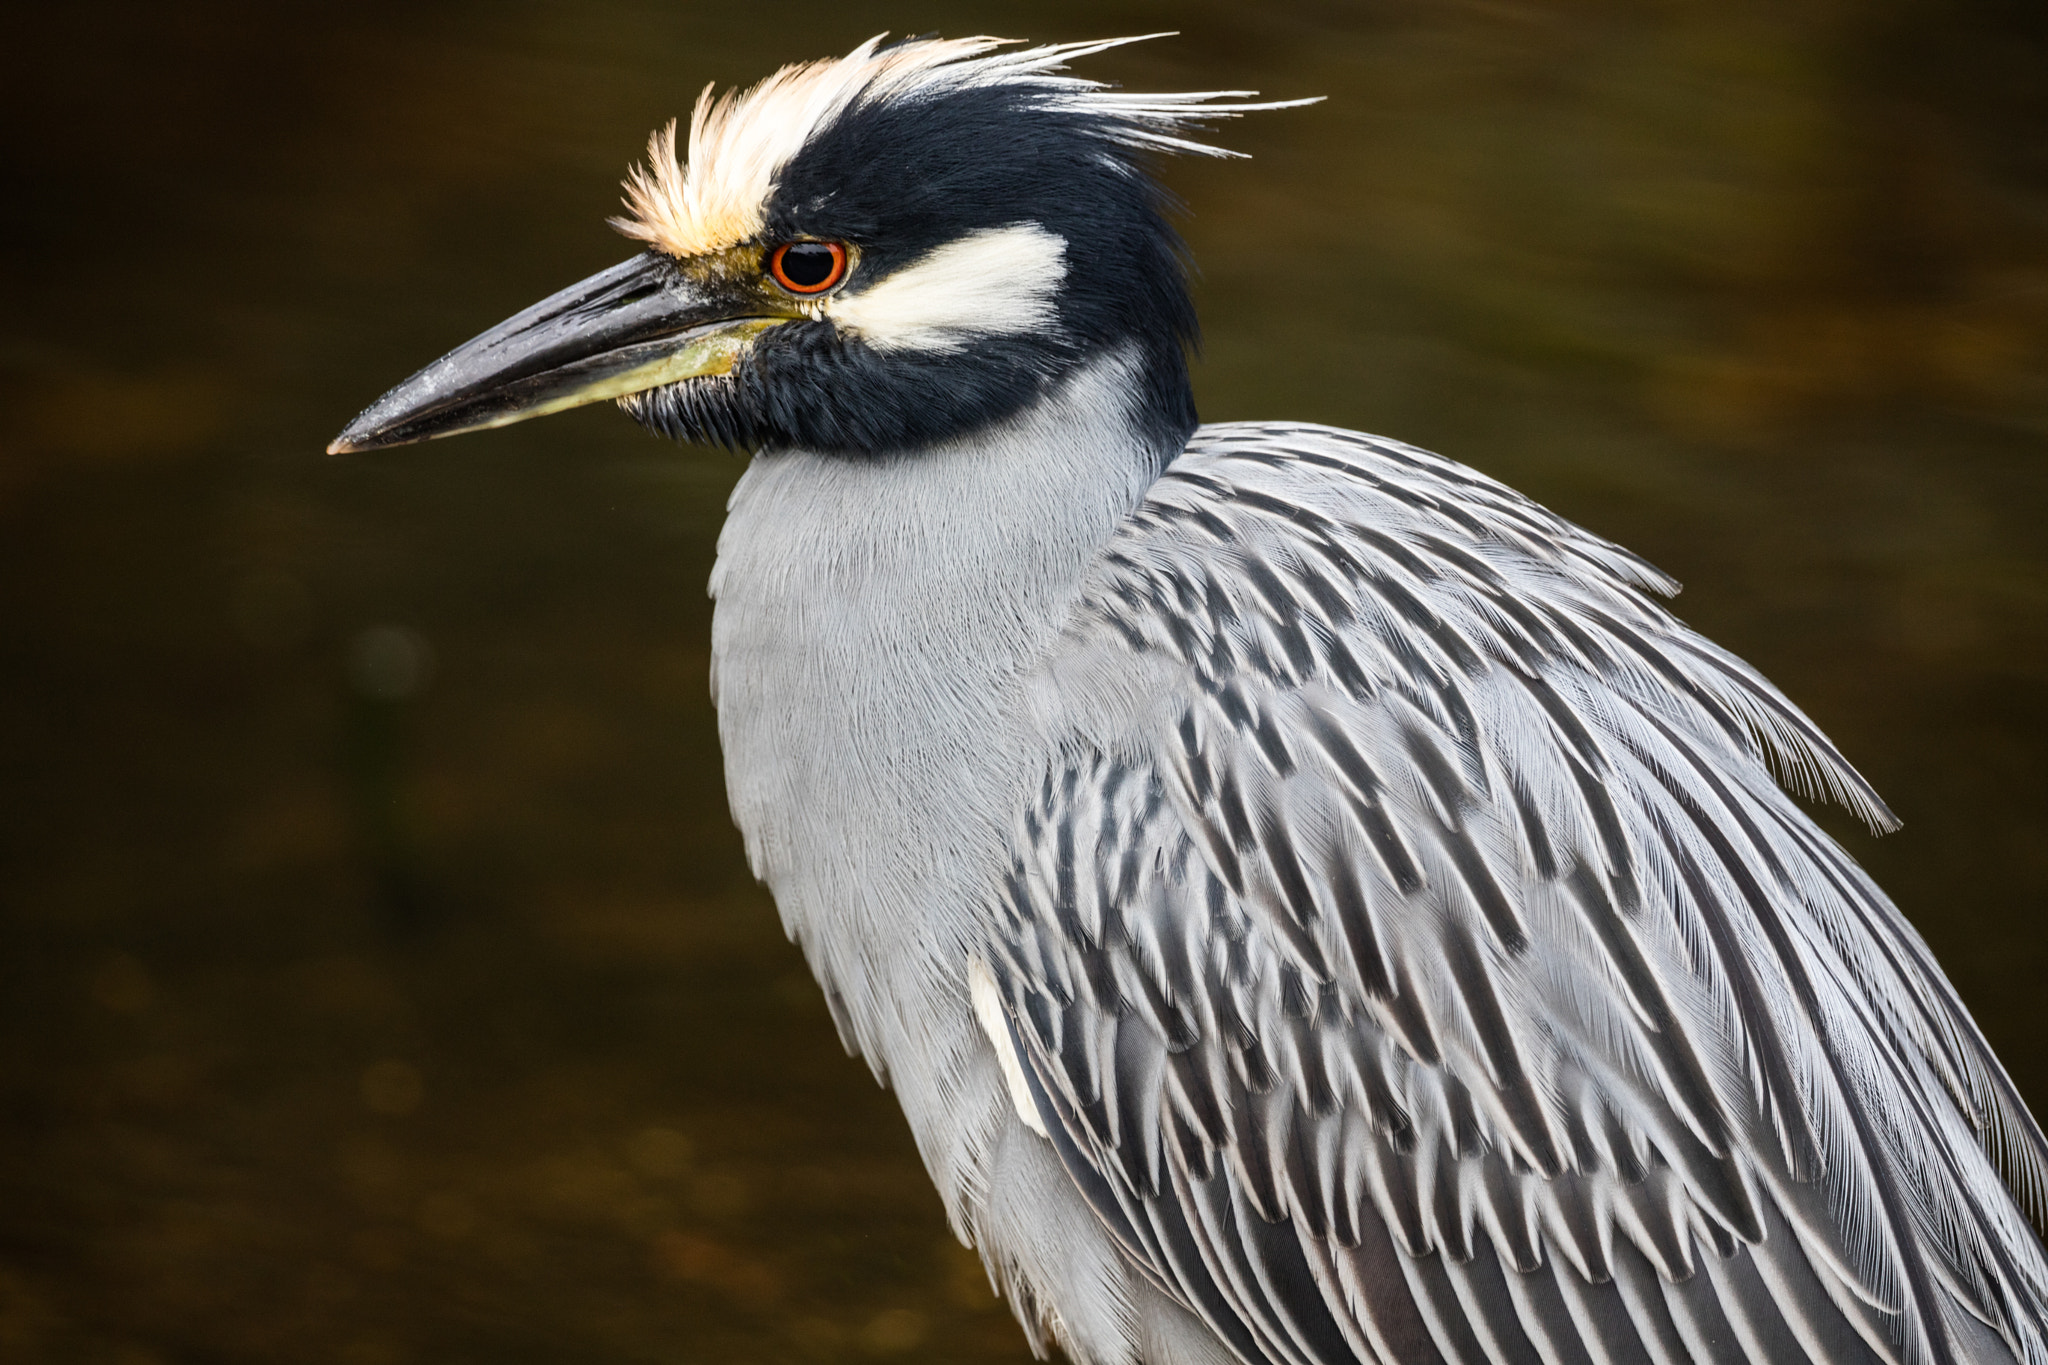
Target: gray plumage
{"points": [[1410, 953]]}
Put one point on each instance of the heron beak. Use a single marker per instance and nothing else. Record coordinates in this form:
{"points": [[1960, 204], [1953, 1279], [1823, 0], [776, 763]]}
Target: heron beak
{"points": [[641, 324]]}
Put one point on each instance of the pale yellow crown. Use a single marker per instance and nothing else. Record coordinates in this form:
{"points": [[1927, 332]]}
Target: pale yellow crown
{"points": [[715, 197]]}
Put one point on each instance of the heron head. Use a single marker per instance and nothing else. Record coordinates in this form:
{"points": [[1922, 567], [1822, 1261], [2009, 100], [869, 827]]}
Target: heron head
{"points": [[861, 255]]}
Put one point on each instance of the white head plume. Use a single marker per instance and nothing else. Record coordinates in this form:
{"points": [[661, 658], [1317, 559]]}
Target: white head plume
{"points": [[715, 196]]}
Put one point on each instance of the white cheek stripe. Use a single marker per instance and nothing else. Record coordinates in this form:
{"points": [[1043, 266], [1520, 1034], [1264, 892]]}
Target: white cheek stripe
{"points": [[988, 1008], [998, 281]]}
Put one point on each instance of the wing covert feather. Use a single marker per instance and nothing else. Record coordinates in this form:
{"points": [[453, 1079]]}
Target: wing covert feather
{"points": [[1415, 958]]}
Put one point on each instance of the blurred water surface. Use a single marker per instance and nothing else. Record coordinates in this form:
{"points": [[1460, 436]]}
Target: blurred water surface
{"points": [[380, 975]]}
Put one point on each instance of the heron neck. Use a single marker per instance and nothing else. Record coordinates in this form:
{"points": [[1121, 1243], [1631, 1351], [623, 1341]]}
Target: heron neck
{"points": [[875, 623]]}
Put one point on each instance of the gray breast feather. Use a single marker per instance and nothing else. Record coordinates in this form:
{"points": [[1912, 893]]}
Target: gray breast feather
{"points": [[1415, 959]]}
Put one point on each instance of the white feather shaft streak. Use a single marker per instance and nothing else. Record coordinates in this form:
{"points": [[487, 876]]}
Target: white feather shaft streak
{"points": [[988, 1008]]}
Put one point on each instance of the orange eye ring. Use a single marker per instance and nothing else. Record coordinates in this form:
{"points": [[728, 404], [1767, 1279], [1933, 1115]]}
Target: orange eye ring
{"points": [[808, 269]]}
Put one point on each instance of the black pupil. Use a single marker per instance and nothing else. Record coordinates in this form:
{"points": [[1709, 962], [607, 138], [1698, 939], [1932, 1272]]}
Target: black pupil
{"points": [[807, 264]]}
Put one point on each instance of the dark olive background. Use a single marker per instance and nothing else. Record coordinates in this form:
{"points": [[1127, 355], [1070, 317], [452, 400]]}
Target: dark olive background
{"points": [[380, 979]]}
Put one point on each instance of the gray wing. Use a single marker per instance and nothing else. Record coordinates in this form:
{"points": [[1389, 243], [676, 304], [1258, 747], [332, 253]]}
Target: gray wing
{"points": [[1413, 959]]}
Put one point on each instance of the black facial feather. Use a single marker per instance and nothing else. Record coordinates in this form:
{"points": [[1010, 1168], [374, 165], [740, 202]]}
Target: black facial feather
{"points": [[808, 384], [902, 177]]}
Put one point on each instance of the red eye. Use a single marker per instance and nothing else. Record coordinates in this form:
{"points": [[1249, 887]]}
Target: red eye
{"points": [[808, 267]]}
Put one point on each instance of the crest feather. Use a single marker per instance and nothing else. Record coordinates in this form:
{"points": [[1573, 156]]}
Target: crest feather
{"points": [[715, 196]]}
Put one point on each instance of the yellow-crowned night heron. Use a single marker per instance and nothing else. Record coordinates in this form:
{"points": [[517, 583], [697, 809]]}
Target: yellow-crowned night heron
{"points": [[1313, 904]]}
